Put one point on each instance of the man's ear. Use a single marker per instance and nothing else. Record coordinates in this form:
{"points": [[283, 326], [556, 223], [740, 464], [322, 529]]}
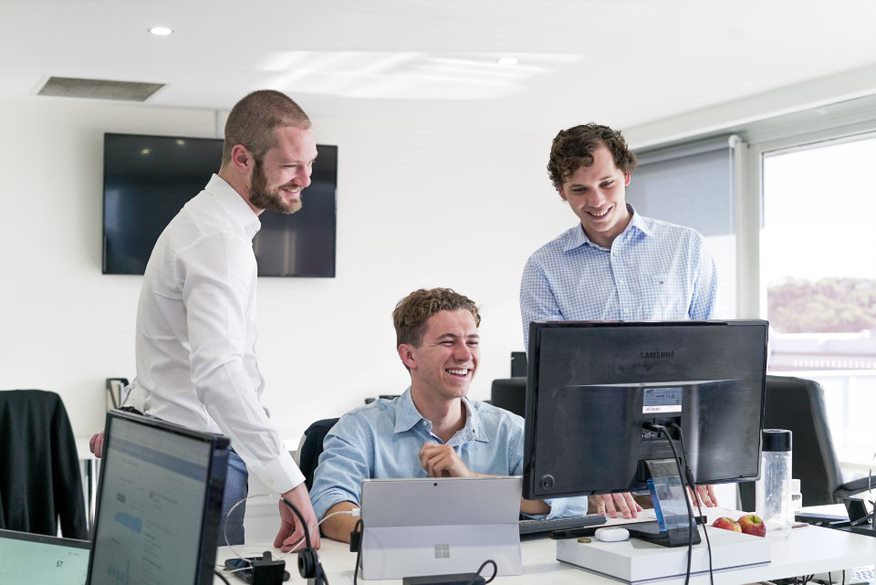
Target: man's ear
{"points": [[406, 353], [241, 158], [627, 177]]}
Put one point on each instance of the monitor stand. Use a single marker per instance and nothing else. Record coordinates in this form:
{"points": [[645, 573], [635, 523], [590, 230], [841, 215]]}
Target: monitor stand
{"points": [[675, 526]]}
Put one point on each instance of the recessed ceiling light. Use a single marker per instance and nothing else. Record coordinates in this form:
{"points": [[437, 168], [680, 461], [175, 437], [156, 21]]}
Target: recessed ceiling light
{"points": [[508, 61], [161, 31]]}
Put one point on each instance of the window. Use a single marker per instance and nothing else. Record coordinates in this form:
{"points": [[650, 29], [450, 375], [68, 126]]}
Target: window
{"points": [[818, 278]]}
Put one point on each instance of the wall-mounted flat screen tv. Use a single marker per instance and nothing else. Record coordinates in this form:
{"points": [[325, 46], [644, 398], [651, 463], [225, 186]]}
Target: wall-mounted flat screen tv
{"points": [[147, 180]]}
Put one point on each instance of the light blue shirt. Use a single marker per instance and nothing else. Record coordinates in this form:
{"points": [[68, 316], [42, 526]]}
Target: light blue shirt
{"points": [[383, 440], [654, 271]]}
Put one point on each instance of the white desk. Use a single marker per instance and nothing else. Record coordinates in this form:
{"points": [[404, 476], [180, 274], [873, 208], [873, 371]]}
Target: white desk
{"points": [[804, 551]]}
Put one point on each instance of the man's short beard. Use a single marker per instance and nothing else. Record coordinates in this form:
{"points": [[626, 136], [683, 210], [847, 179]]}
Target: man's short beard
{"points": [[262, 197]]}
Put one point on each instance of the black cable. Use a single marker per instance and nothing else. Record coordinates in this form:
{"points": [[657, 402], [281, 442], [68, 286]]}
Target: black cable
{"points": [[319, 575], [485, 563], [691, 523], [221, 576], [691, 480], [360, 528]]}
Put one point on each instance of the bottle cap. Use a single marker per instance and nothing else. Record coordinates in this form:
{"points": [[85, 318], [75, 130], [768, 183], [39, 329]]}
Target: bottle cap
{"points": [[776, 440]]}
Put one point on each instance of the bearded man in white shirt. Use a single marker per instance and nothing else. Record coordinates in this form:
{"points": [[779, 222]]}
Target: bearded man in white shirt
{"points": [[196, 321]]}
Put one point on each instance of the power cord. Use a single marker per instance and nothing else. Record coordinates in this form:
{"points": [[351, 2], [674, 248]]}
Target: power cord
{"points": [[221, 576], [358, 529], [481, 568], [691, 526], [692, 481]]}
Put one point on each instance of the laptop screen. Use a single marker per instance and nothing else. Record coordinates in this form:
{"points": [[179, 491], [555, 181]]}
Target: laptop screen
{"points": [[34, 558], [159, 503]]}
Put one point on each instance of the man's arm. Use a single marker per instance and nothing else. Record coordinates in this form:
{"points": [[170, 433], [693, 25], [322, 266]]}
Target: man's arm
{"points": [[537, 300], [341, 524], [337, 480], [217, 293], [443, 461]]}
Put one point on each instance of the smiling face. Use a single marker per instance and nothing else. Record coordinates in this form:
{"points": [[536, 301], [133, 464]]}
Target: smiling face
{"points": [[284, 171], [444, 363], [597, 195]]}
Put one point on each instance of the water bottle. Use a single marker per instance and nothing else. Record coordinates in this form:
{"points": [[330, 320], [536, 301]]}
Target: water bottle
{"points": [[773, 489], [796, 500]]}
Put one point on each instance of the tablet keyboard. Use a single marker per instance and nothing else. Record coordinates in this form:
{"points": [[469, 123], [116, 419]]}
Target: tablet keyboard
{"points": [[535, 526]]}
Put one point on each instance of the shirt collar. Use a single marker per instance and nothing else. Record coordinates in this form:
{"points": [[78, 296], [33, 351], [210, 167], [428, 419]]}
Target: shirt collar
{"points": [[407, 417], [238, 209], [578, 238]]}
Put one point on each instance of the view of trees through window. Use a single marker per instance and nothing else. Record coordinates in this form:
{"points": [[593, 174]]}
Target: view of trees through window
{"points": [[818, 278]]}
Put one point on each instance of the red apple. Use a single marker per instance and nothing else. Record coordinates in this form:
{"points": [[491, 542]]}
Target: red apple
{"points": [[726, 523], [752, 524]]}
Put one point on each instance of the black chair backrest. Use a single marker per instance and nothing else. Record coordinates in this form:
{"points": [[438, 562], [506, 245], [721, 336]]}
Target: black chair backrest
{"points": [[311, 447], [797, 404], [510, 394]]}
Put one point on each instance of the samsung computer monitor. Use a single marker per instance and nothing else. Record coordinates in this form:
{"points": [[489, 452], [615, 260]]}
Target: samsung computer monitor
{"points": [[159, 503], [593, 387]]}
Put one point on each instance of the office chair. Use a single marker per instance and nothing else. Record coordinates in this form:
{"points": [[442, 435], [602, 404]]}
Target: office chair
{"points": [[510, 394], [797, 404], [40, 483], [311, 447]]}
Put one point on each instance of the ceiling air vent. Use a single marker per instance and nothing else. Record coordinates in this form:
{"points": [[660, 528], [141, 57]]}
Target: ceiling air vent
{"points": [[103, 89]]}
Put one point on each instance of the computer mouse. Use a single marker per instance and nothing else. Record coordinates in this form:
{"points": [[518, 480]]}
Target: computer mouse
{"points": [[610, 534]]}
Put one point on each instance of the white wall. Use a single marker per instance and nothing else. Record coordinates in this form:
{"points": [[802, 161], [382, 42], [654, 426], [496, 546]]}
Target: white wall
{"points": [[423, 201]]}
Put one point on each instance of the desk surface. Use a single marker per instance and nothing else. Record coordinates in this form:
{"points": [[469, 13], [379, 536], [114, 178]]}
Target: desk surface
{"points": [[806, 550]]}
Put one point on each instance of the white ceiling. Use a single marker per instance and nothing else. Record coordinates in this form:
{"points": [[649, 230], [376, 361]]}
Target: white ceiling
{"points": [[622, 62]]}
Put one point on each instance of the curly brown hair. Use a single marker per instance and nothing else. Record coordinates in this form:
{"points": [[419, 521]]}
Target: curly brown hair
{"points": [[412, 312], [573, 149], [253, 119]]}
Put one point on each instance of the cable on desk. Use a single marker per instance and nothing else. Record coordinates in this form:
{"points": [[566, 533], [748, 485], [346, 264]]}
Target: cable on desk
{"points": [[691, 526], [691, 480], [309, 566], [481, 568], [221, 576], [360, 528]]}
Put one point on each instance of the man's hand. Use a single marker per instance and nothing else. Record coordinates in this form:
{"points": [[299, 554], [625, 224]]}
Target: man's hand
{"points": [[95, 445], [291, 532], [615, 505], [442, 461], [706, 496]]}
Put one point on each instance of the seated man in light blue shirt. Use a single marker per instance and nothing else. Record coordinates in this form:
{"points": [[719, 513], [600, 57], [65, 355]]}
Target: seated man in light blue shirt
{"points": [[433, 429], [614, 265]]}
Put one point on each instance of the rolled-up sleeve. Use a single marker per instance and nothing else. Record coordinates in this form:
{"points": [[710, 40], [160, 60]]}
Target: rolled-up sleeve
{"points": [[343, 464]]}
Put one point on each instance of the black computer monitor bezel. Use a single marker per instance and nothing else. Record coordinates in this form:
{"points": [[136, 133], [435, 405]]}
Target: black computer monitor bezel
{"points": [[534, 487], [212, 508]]}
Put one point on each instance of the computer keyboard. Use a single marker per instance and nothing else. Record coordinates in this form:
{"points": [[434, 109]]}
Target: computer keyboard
{"points": [[864, 575], [536, 526]]}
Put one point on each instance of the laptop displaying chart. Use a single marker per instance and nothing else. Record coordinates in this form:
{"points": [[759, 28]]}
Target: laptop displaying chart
{"points": [[159, 504], [34, 558]]}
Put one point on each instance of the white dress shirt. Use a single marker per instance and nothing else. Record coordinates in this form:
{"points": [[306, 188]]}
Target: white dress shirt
{"points": [[196, 332]]}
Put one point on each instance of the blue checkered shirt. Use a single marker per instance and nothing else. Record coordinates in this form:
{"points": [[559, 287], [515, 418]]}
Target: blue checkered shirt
{"points": [[654, 271]]}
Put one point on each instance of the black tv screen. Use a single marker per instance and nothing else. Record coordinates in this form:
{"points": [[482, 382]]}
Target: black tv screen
{"points": [[147, 180]]}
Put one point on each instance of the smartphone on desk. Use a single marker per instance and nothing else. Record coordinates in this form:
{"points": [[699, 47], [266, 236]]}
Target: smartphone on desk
{"points": [[242, 568]]}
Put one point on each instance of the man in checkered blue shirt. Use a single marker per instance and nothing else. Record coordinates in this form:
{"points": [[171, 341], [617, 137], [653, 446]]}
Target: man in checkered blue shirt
{"points": [[615, 265]]}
